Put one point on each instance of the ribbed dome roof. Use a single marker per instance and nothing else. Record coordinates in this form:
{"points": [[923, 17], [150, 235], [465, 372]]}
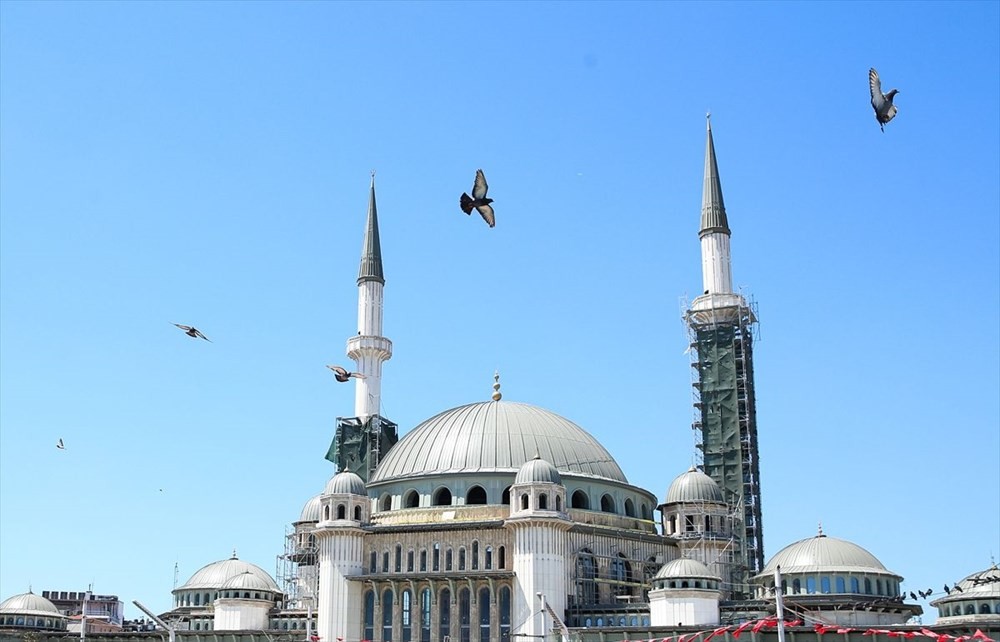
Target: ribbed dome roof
{"points": [[684, 567], [311, 511], [496, 436], [29, 604], [248, 581], [822, 553], [982, 583], [694, 486], [345, 483], [537, 470], [216, 574]]}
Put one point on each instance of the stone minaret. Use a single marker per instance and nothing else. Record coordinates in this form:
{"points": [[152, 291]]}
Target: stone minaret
{"points": [[369, 348], [721, 326]]}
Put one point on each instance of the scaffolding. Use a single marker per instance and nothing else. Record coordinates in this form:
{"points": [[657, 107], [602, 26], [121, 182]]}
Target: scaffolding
{"points": [[721, 332], [708, 532], [360, 444], [298, 567], [609, 578]]}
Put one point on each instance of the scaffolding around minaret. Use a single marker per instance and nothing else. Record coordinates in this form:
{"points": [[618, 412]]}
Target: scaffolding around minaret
{"points": [[721, 332]]}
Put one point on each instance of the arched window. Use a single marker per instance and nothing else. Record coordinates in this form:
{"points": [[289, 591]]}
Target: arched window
{"points": [[824, 584], [357, 514], [197, 599], [868, 586], [423, 562], [878, 586], [442, 497], [444, 615], [629, 508], [644, 511], [488, 563], [387, 502], [841, 587], [810, 585], [502, 558], [407, 624], [607, 504], [524, 501], [796, 585], [326, 512], [447, 560], [425, 615], [464, 614], [970, 609], [586, 567], [621, 572], [461, 559], [369, 615], [399, 558], [475, 555], [504, 611], [341, 511], [672, 525], [409, 561], [387, 615], [436, 557], [505, 496], [580, 500], [855, 587], [543, 502], [558, 503], [411, 500], [984, 608], [373, 564], [484, 614], [476, 495], [385, 562]]}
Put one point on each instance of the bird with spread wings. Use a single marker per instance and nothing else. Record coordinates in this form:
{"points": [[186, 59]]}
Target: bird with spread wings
{"points": [[478, 200], [881, 103]]}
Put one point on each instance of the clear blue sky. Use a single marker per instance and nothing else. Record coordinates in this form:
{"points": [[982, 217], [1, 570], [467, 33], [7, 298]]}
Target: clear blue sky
{"points": [[208, 163]]}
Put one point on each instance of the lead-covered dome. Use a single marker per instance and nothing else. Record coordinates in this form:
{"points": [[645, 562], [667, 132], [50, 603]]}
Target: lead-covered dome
{"points": [[685, 568], [311, 511], [345, 483], [29, 604], [823, 553], [694, 486], [216, 574], [496, 436], [248, 581]]}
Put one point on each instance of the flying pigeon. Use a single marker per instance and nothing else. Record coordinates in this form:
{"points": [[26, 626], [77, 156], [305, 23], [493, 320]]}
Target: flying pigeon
{"points": [[192, 332], [59, 444], [478, 200], [881, 103], [342, 375]]}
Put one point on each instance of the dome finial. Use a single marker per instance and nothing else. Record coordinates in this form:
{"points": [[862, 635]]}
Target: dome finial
{"points": [[820, 533], [234, 555], [496, 386]]}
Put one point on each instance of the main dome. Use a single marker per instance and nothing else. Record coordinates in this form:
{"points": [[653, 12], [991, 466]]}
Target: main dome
{"points": [[822, 553], [496, 436]]}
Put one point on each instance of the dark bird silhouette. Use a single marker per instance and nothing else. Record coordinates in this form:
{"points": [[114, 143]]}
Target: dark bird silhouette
{"points": [[478, 200], [912, 595], [881, 103], [921, 594], [59, 444], [342, 375], [192, 332], [947, 590], [957, 588]]}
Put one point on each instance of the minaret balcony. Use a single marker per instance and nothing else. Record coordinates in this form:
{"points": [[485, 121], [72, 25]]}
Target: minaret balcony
{"points": [[368, 345]]}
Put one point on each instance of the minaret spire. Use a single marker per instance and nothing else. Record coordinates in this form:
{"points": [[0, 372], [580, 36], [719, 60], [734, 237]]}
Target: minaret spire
{"points": [[717, 276], [369, 348]]}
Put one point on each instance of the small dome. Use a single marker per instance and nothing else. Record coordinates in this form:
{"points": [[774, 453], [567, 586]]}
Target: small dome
{"points": [[685, 568], [29, 604], [247, 581], [981, 584], [345, 483], [216, 574], [694, 486], [822, 553], [536, 471], [311, 511]]}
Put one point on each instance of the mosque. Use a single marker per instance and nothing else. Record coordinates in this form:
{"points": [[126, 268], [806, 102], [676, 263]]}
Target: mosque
{"points": [[499, 520]]}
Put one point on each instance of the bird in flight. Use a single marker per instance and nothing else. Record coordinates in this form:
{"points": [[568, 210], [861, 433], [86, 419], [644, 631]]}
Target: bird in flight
{"points": [[192, 332], [342, 375], [478, 200], [881, 103], [59, 444]]}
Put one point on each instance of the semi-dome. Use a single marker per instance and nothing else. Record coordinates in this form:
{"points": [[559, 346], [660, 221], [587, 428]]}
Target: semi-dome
{"points": [[686, 568], [537, 471], [496, 436], [694, 486], [345, 483], [216, 574], [247, 581], [29, 604], [823, 553], [311, 511]]}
